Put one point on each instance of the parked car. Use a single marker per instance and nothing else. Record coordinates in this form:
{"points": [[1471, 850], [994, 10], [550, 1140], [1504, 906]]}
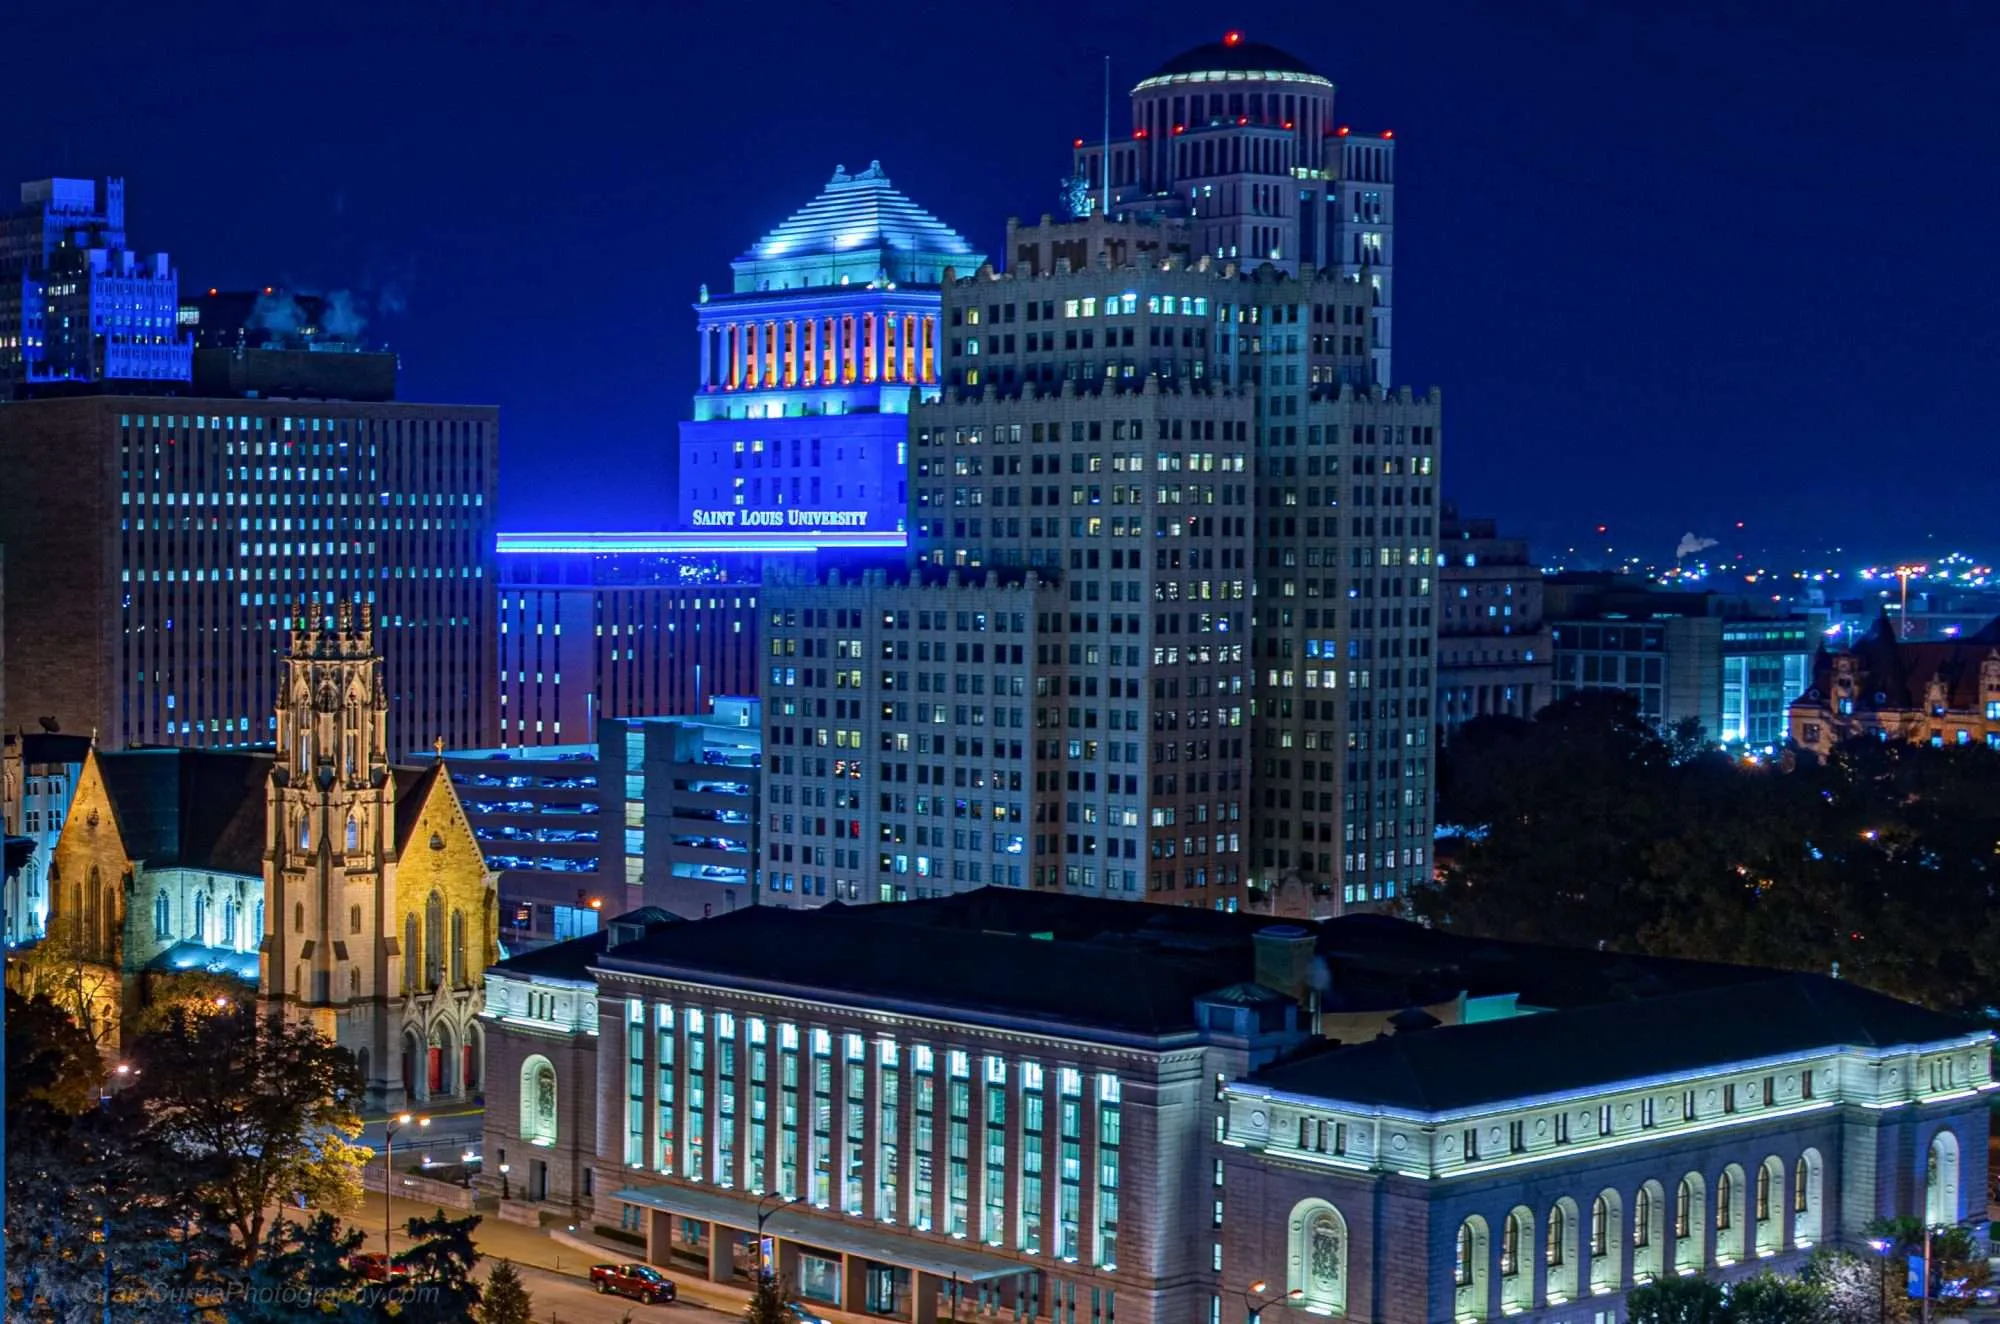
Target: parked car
{"points": [[641, 1282], [803, 1314], [376, 1267]]}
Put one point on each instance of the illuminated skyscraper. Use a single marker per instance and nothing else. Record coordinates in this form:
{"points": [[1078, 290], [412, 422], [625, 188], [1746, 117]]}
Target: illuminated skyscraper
{"points": [[78, 308], [1239, 141], [808, 364]]}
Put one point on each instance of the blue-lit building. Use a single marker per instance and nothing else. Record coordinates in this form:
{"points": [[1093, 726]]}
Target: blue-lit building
{"points": [[78, 308], [808, 364]]}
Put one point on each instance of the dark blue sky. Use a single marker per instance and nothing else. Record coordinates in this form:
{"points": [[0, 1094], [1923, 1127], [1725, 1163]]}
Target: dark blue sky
{"points": [[1674, 266]]}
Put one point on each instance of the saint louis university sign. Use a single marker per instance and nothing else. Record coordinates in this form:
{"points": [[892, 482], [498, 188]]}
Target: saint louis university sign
{"points": [[781, 519]]}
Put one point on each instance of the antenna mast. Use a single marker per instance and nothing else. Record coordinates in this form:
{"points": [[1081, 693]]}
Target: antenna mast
{"points": [[1105, 167]]}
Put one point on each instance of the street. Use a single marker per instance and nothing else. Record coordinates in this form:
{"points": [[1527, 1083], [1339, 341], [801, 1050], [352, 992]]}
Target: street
{"points": [[560, 1299]]}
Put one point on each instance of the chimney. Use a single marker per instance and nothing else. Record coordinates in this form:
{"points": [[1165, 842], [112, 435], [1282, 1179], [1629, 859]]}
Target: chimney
{"points": [[1284, 957]]}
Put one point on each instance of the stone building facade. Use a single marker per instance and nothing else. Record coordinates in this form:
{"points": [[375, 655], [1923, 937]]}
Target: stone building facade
{"points": [[1941, 693], [1494, 651], [1098, 1110]]}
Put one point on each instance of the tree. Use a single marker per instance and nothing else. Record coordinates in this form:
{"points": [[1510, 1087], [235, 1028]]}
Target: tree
{"points": [[1854, 1289], [247, 1110], [440, 1265], [768, 1302], [58, 968], [197, 990], [1769, 1299], [506, 1300], [304, 1271], [1677, 1301], [52, 1066]]}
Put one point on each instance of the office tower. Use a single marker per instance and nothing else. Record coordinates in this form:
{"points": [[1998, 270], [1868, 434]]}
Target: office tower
{"points": [[160, 549], [1236, 143], [1494, 652], [1663, 648], [78, 308], [808, 364], [1766, 664], [662, 624]]}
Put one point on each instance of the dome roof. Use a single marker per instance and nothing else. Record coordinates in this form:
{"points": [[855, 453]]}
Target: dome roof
{"points": [[1233, 54]]}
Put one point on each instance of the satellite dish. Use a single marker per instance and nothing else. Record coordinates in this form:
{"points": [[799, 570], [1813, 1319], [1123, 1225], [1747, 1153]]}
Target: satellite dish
{"points": [[50, 724]]}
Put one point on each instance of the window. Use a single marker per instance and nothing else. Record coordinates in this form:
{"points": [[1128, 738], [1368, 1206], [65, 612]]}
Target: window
{"points": [[1763, 1194], [1558, 1233], [1471, 1141], [1510, 1246], [1729, 1097], [1724, 1196], [1799, 1176], [1461, 1272], [538, 1101], [1600, 1226], [1320, 1249], [1684, 1210], [1642, 1218]]}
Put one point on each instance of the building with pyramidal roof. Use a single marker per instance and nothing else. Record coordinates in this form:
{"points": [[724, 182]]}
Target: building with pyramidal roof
{"points": [[809, 361]]}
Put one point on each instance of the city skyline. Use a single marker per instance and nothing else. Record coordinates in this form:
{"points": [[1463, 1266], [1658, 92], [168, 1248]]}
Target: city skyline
{"points": [[1549, 337]]}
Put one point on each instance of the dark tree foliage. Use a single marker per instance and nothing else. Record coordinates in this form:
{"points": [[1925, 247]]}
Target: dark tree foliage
{"points": [[1677, 1301], [768, 1302], [507, 1300], [53, 1070], [440, 1265], [246, 1110], [1585, 828], [304, 1272]]}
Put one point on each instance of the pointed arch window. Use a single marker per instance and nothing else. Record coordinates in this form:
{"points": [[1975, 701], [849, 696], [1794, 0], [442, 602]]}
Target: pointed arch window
{"points": [[458, 948], [412, 954], [305, 832], [200, 931], [231, 913], [433, 941], [163, 917], [353, 833]]}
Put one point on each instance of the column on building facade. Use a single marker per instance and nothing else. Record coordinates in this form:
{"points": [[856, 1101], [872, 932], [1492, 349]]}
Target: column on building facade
{"points": [[853, 1282], [876, 343], [734, 349], [706, 335], [924, 1290], [721, 1253], [659, 1237]]}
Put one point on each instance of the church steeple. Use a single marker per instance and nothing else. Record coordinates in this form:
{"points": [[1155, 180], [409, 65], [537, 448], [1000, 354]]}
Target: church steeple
{"points": [[333, 711]]}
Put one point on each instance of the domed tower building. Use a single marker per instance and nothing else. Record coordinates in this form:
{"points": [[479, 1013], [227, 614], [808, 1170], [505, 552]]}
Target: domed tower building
{"points": [[1239, 141]]}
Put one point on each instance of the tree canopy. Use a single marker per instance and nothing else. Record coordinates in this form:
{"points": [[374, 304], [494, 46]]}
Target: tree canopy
{"points": [[1585, 827]]}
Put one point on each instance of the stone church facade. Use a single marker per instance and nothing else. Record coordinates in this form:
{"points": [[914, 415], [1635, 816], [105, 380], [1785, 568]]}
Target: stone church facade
{"points": [[351, 891]]}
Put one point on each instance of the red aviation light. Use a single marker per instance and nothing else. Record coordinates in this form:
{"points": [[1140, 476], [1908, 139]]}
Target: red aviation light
{"points": [[1138, 133], [1387, 134], [1288, 124], [1232, 38], [1180, 129], [1077, 143], [1341, 132]]}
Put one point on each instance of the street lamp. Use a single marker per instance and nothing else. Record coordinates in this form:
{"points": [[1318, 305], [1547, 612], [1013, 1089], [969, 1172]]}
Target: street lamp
{"points": [[389, 1129], [1260, 1290], [766, 1262], [1882, 1247], [505, 1168]]}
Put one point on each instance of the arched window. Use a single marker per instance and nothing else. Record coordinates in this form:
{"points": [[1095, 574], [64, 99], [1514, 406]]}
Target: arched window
{"points": [[1517, 1289], [1469, 1269], [1606, 1243], [1690, 1223], [538, 1101], [163, 916], [257, 920], [1731, 1190], [200, 933], [412, 954], [1806, 1179], [1770, 1196], [1649, 1236], [1317, 1262], [353, 833], [305, 832], [1941, 1201], [229, 937], [458, 948], [433, 941], [1559, 1251]]}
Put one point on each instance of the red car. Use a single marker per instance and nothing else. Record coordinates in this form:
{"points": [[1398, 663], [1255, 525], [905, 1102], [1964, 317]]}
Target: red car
{"points": [[641, 1282], [375, 1267]]}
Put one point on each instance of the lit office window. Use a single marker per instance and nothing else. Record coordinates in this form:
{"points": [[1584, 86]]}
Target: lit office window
{"points": [[888, 1148], [1031, 1157], [924, 1107], [663, 1101], [1109, 1118]]}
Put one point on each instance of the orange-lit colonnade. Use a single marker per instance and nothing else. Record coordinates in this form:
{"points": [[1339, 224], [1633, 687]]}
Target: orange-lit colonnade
{"points": [[838, 350]]}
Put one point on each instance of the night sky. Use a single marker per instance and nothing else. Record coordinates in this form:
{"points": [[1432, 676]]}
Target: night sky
{"points": [[1674, 266]]}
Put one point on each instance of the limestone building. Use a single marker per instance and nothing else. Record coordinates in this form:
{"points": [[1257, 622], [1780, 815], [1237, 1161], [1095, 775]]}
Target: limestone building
{"points": [[338, 888], [1116, 1112], [1936, 692], [1495, 655]]}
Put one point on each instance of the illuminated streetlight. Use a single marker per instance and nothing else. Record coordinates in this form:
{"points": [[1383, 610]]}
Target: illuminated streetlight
{"points": [[389, 1129]]}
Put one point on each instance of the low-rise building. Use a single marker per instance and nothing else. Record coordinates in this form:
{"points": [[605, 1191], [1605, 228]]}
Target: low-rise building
{"points": [[538, 814], [38, 775], [1058, 1106], [692, 815], [1943, 693], [1493, 649]]}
